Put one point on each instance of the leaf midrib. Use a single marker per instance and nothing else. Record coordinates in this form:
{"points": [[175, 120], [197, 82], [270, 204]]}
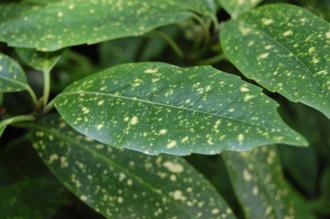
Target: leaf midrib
{"points": [[111, 162], [168, 106]]}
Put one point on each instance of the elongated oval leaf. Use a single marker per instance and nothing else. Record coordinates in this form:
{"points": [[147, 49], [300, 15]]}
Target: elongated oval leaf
{"points": [[125, 184], [260, 185], [237, 7], [56, 24], [42, 61], [160, 108], [12, 77], [284, 48]]}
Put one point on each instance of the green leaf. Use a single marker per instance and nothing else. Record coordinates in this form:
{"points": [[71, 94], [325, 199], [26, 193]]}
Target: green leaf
{"points": [[319, 7], [12, 77], [285, 49], [237, 7], [57, 24], [160, 108], [31, 198], [6, 122], [27, 190], [300, 164], [125, 184], [3, 125], [42, 61], [260, 185]]}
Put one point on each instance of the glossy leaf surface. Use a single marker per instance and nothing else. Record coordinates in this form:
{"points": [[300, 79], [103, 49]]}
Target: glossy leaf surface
{"points": [[52, 25], [42, 61], [125, 184], [261, 187], [237, 7], [160, 108], [284, 48], [12, 77]]}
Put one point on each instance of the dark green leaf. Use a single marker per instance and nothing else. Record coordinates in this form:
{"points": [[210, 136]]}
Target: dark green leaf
{"points": [[42, 61], [3, 125], [27, 190], [160, 108], [237, 7], [32, 198], [319, 7], [125, 184], [300, 164], [56, 24], [12, 77], [285, 49], [260, 185]]}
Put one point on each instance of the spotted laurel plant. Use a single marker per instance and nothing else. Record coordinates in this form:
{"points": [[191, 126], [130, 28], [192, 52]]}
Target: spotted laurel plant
{"points": [[164, 109]]}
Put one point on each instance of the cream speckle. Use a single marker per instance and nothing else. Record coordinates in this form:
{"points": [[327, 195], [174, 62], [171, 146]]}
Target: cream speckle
{"points": [[134, 120], [99, 126], [173, 167], [240, 137], [100, 103], [215, 211], [162, 131], [151, 70], [83, 197], [244, 89], [264, 55], [247, 175], [60, 14], [327, 35], [288, 33], [267, 21], [171, 144]]}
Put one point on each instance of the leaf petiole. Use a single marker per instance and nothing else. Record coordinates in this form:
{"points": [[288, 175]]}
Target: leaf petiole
{"points": [[168, 39], [49, 106], [16, 119], [46, 92], [32, 95]]}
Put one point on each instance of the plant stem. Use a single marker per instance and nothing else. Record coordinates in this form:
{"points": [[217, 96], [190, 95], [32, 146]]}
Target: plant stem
{"points": [[32, 94], [168, 39], [46, 93], [212, 60], [49, 106], [16, 119], [204, 27]]}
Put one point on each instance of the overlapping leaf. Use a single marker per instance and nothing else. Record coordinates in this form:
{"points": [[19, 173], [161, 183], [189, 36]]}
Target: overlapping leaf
{"points": [[284, 48], [42, 61], [160, 108], [260, 185], [125, 184], [12, 77], [52, 25], [237, 7]]}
